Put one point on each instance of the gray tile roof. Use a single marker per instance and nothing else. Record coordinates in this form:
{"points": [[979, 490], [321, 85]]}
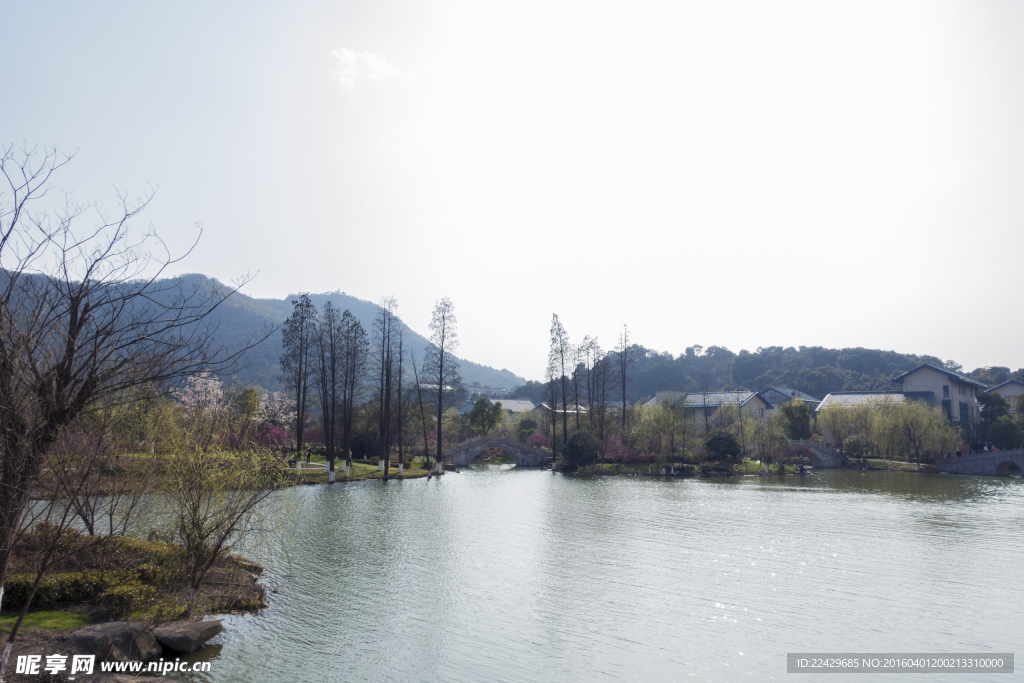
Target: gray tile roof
{"points": [[791, 394], [1003, 384], [855, 399], [953, 376], [569, 408], [874, 399], [718, 398], [515, 406]]}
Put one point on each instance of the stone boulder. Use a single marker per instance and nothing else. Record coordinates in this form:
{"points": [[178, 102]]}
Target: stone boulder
{"points": [[119, 641], [186, 636]]}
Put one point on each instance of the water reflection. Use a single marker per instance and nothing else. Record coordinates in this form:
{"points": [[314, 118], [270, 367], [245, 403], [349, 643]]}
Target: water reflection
{"points": [[513, 575]]}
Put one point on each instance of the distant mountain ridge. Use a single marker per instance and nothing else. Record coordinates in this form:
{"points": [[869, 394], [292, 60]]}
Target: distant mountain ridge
{"points": [[814, 370], [241, 317]]}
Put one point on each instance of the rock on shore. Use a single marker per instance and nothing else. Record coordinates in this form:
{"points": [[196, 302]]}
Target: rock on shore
{"points": [[119, 641], [186, 637]]}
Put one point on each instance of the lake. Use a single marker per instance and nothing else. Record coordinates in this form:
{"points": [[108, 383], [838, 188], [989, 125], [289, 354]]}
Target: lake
{"points": [[499, 574]]}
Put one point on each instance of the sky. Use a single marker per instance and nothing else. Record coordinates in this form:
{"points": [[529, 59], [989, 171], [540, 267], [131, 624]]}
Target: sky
{"points": [[740, 174]]}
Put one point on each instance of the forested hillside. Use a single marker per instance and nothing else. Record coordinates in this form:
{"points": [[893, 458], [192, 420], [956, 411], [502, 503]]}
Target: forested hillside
{"points": [[242, 317], [814, 370]]}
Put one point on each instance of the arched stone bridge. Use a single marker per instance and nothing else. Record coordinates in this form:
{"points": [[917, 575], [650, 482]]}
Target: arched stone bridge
{"points": [[986, 462], [819, 455], [463, 453]]}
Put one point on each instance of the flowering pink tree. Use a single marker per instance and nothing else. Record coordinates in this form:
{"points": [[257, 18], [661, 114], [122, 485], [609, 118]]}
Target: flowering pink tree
{"points": [[537, 439], [615, 448]]}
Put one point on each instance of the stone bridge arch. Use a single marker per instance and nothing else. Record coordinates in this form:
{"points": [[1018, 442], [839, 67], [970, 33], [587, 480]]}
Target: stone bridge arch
{"points": [[992, 463], [1006, 467], [818, 454], [462, 454]]}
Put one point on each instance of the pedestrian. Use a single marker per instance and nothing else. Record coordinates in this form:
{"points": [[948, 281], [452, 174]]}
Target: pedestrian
{"points": [[985, 448], [958, 453]]}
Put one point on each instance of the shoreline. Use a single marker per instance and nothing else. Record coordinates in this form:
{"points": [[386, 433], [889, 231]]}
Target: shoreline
{"points": [[125, 590]]}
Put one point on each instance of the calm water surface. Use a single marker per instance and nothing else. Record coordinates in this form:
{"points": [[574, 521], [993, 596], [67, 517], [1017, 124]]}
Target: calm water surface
{"points": [[499, 574]]}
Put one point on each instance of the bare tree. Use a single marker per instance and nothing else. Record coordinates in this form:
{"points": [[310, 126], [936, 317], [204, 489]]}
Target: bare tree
{"points": [[400, 397], [587, 353], [559, 356], [552, 396], [103, 486], [297, 360], [579, 354], [440, 366], [329, 373], [603, 377], [74, 462], [423, 416], [355, 351], [84, 318], [625, 359], [386, 331]]}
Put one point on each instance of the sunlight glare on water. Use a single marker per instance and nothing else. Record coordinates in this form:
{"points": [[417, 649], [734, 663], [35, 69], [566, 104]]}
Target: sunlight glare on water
{"points": [[498, 574]]}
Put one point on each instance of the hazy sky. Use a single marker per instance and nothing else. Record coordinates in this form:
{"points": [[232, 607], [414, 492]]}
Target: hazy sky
{"points": [[740, 174]]}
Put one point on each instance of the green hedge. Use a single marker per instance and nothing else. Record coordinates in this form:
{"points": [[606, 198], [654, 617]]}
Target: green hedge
{"points": [[117, 592], [53, 589]]}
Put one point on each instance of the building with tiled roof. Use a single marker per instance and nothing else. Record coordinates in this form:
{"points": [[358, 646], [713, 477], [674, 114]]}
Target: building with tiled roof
{"points": [[777, 396], [706, 403], [514, 406], [872, 399], [954, 393], [1009, 390]]}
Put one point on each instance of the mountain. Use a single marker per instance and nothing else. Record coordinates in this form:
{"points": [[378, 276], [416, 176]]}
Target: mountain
{"points": [[242, 317]]}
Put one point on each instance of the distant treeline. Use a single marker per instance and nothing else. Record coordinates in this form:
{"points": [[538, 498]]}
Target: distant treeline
{"points": [[814, 370]]}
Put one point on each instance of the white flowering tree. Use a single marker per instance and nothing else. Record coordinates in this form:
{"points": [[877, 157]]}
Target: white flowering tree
{"points": [[277, 410], [203, 402]]}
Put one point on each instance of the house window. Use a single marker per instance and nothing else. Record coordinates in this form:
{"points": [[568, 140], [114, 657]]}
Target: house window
{"points": [[945, 391]]}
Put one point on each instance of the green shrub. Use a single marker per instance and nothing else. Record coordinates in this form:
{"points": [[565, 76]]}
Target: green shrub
{"points": [[723, 444], [580, 451], [124, 598], [56, 588], [153, 575]]}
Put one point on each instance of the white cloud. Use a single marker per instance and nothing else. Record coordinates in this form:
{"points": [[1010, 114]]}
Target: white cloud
{"points": [[352, 65]]}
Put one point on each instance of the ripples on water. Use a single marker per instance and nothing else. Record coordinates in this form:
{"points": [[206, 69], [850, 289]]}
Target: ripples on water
{"points": [[504, 575]]}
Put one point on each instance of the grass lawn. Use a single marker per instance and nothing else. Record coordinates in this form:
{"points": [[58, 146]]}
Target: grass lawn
{"points": [[54, 621], [893, 465], [359, 472], [747, 467]]}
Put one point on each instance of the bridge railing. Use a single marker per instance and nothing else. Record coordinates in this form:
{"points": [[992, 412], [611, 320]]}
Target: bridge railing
{"points": [[469, 442]]}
